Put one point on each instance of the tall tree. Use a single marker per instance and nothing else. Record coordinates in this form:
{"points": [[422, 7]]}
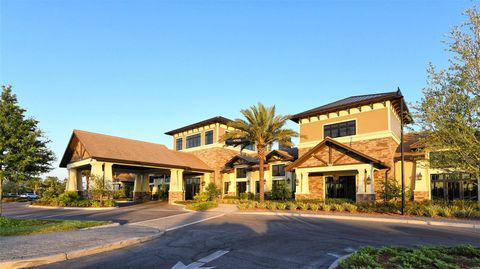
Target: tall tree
{"points": [[261, 127], [449, 112], [23, 147]]}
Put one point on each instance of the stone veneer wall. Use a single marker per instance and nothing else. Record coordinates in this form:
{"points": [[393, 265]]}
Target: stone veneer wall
{"points": [[175, 196], [420, 195], [216, 159]]}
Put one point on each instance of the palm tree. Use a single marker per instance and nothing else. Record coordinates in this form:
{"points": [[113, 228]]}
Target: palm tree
{"points": [[261, 128]]}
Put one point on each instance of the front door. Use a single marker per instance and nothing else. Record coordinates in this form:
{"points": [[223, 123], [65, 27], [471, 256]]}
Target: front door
{"points": [[241, 187], [192, 187], [342, 187]]}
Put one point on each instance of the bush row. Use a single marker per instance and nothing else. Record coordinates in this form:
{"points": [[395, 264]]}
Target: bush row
{"points": [[458, 209], [201, 206], [73, 199]]}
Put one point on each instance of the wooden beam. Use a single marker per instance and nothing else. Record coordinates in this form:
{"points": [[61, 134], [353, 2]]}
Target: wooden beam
{"points": [[330, 155], [320, 159], [339, 158]]}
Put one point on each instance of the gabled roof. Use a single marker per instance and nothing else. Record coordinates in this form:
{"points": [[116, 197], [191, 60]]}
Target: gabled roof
{"points": [[249, 160], [348, 150], [217, 119], [117, 149], [284, 155], [356, 101]]}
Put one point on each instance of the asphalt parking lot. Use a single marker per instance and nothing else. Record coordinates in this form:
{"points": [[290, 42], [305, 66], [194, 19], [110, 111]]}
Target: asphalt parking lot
{"points": [[122, 215], [247, 241]]}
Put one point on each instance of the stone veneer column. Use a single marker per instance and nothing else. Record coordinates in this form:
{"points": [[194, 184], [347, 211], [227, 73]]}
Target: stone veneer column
{"points": [[176, 192], [421, 190]]}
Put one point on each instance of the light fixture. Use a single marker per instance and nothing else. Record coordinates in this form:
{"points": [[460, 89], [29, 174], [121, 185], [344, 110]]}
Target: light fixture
{"points": [[419, 176], [369, 180]]}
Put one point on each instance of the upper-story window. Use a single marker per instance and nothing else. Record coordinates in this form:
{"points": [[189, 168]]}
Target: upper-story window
{"points": [[209, 137], [179, 143], [278, 170], [241, 172], [193, 141], [250, 147], [340, 129]]}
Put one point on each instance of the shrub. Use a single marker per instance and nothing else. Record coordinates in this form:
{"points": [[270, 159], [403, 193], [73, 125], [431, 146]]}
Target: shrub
{"points": [[314, 206], [281, 191], [281, 205], [303, 206], [291, 205], [201, 197], [326, 207], [350, 208], [466, 213], [431, 210], [212, 191], [260, 205], [445, 211], [201, 206], [338, 201], [338, 207], [119, 194], [390, 189], [271, 205], [243, 196]]}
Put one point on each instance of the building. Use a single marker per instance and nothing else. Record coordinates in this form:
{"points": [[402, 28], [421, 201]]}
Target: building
{"points": [[346, 150]]}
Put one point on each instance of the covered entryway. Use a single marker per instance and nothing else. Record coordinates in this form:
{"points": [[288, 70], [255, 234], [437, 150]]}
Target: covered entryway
{"points": [[334, 170], [118, 162]]}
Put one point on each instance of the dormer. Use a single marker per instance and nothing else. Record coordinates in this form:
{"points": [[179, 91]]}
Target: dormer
{"points": [[353, 119]]}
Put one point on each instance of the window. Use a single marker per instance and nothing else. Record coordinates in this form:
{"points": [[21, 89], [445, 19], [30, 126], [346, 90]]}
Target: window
{"points": [[209, 137], [241, 172], [451, 186], [250, 147], [193, 141], [179, 143], [340, 129], [278, 170], [225, 187]]}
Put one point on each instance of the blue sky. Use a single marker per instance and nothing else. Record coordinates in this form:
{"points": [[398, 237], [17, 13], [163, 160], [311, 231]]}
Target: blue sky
{"points": [[140, 68]]}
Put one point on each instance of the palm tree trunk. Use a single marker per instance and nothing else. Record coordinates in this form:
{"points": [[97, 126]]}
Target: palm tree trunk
{"points": [[261, 157], [1, 194]]}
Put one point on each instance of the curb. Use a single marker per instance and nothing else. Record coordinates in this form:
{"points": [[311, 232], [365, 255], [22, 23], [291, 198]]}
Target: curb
{"points": [[115, 224], [31, 262], [371, 219], [73, 208], [335, 264]]}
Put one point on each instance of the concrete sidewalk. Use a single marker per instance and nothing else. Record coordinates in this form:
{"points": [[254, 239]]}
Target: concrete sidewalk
{"points": [[33, 250]]}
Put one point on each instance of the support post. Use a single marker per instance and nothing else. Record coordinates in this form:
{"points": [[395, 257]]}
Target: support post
{"points": [[176, 192], [72, 180]]}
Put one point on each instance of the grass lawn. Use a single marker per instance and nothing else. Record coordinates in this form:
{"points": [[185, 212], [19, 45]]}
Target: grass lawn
{"points": [[448, 257], [39, 226]]}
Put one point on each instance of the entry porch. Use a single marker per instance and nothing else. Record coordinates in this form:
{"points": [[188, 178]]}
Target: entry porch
{"points": [[142, 182]]}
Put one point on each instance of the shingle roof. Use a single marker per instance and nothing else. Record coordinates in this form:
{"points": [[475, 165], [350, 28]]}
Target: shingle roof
{"points": [[123, 150], [216, 119], [353, 101]]}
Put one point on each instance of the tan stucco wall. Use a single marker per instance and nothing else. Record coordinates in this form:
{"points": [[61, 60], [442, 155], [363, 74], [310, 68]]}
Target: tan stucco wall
{"points": [[367, 122], [394, 122], [200, 130]]}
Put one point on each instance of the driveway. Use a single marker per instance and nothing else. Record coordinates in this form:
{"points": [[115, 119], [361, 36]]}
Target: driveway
{"points": [[246, 241], [122, 215]]}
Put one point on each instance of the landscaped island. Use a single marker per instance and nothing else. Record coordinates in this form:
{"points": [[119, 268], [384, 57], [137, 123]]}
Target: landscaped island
{"points": [[464, 256], [38, 226]]}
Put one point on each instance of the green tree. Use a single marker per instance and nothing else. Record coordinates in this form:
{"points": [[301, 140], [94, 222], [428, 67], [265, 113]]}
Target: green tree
{"points": [[449, 110], [23, 147], [261, 127], [212, 191], [53, 187]]}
